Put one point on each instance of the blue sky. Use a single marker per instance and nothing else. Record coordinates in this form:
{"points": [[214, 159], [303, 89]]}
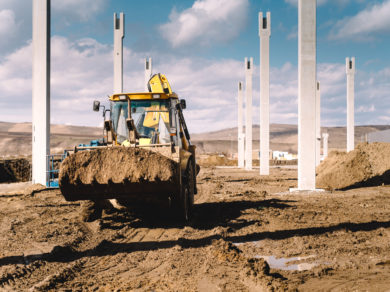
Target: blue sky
{"points": [[200, 45]]}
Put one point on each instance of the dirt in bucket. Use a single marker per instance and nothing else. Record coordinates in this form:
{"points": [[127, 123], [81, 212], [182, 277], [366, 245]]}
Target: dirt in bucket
{"points": [[116, 169]]}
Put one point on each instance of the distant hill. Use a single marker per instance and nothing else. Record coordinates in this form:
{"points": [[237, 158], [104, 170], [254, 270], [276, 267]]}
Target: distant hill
{"points": [[15, 138], [283, 137]]}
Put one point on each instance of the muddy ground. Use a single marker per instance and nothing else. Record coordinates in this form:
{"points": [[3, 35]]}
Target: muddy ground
{"points": [[319, 241]]}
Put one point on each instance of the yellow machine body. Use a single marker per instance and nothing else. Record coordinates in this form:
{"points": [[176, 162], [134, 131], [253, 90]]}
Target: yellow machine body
{"points": [[171, 142]]}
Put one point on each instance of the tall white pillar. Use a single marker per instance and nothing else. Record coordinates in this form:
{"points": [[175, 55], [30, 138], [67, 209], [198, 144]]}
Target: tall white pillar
{"points": [[148, 72], [240, 128], [307, 94], [318, 124], [119, 33], [325, 137], [350, 70], [248, 116], [264, 33], [40, 90]]}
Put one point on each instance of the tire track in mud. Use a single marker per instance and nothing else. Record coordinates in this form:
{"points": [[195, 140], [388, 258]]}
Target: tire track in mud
{"points": [[145, 235], [86, 255], [65, 274], [101, 251], [38, 266], [18, 272], [107, 261]]}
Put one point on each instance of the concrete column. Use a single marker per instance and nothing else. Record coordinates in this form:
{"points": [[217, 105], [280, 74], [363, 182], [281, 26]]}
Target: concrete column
{"points": [[325, 137], [318, 124], [40, 90], [119, 33], [240, 127], [307, 94], [350, 70], [148, 72], [264, 33], [248, 116]]}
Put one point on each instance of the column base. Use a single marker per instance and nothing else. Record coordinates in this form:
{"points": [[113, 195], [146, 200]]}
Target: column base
{"points": [[296, 190]]}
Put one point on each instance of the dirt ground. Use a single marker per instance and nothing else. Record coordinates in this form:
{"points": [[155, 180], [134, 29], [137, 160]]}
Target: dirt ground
{"points": [[311, 241]]}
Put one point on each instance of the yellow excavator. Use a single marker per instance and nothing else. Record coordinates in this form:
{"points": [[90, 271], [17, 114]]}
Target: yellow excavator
{"points": [[146, 153]]}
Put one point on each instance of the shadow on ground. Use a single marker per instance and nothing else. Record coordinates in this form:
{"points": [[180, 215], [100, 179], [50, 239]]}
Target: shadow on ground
{"points": [[206, 216], [378, 180], [104, 248]]}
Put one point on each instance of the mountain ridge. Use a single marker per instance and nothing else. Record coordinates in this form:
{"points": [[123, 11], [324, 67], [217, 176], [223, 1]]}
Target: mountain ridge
{"points": [[15, 138]]}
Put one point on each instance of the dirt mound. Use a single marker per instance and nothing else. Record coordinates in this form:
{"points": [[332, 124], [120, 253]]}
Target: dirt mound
{"points": [[14, 170], [254, 271], [216, 160], [225, 251], [116, 172], [283, 162], [221, 160], [367, 165]]}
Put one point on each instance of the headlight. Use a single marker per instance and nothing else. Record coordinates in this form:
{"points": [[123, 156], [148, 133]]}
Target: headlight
{"points": [[156, 95]]}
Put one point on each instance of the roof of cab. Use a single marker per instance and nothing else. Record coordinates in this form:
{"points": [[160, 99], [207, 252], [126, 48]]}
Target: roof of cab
{"points": [[142, 96]]}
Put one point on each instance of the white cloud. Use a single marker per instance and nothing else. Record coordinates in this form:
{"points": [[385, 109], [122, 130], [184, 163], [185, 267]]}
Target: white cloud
{"points": [[81, 9], [7, 22], [15, 25], [15, 74], [384, 119], [16, 19], [82, 72], [206, 22], [365, 109], [375, 19]]}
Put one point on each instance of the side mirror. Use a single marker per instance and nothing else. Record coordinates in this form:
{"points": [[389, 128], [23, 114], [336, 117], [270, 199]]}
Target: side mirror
{"points": [[183, 104], [96, 106]]}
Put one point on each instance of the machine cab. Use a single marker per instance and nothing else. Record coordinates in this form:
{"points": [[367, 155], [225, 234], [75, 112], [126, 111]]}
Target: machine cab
{"points": [[154, 116], [147, 118]]}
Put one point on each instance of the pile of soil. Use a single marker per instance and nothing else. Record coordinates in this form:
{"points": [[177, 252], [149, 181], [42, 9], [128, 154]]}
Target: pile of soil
{"points": [[255, 272], [15, 170], [216, 160], [116, 172], [283, 162], [220, 160], [367, 165]]}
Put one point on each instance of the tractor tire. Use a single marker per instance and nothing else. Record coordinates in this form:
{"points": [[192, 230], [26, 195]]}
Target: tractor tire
{"points": [[187, 193]]}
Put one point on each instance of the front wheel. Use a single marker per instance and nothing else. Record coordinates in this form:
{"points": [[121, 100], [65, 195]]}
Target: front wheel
{"points": [[187, 193]]}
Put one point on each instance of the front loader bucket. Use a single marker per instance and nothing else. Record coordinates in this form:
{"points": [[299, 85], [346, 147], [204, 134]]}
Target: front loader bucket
{"points": [[118, 172]]}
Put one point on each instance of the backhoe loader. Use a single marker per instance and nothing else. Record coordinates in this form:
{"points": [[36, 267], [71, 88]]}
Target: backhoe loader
{"points": [[145, 156]]}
